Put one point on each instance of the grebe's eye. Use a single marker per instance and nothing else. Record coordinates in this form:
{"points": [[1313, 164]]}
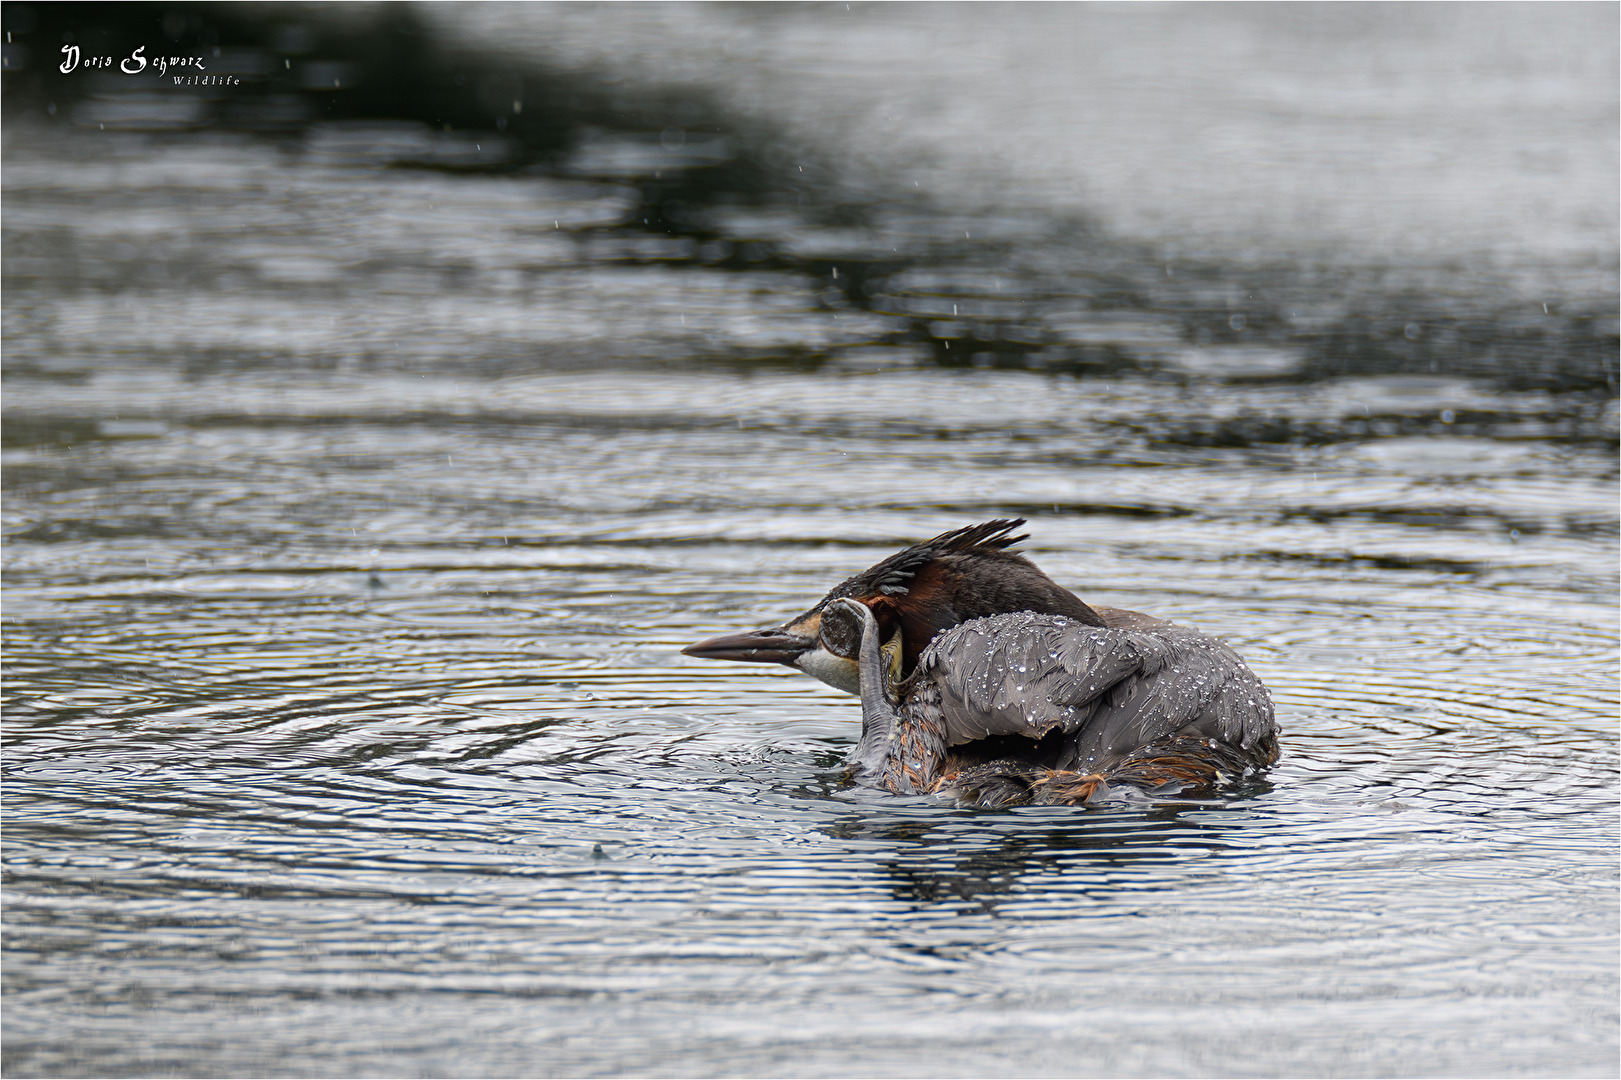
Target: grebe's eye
{"points": [[841, 631]]}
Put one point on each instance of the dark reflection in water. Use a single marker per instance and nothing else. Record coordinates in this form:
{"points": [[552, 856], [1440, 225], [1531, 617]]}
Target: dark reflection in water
{"points": [[1093, 860], [370, 451]]}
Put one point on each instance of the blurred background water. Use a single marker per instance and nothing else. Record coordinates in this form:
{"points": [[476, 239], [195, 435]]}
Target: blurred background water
{"points": [[379, 425]]}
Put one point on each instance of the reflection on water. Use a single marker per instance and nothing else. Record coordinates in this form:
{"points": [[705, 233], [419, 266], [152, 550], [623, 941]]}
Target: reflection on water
{"points": [[362, 486]]}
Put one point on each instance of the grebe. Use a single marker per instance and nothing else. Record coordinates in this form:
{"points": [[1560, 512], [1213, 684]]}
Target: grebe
{"points": [[983, 680]]}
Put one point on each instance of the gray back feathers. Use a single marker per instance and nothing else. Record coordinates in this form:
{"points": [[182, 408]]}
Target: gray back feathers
{"points": [[1113, 691]]}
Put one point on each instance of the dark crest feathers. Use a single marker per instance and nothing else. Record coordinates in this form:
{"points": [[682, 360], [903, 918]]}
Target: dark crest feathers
{"points": [[891, 576], [990, 534]]}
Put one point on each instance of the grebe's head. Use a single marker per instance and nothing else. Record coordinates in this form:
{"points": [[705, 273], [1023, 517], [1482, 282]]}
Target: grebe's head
{"points": [[914, 594]]}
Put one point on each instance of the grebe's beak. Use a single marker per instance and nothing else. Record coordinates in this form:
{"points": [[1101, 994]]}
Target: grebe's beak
{"points": [[798, 645], [775, 646]]}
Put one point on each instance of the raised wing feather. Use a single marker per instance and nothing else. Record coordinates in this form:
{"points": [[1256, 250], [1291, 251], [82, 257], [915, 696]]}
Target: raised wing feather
{"points": [[1112, 690], [1023, 674]]}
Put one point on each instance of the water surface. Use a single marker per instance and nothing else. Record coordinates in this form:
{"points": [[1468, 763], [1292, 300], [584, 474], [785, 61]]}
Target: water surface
{"points": [[357, 508]]}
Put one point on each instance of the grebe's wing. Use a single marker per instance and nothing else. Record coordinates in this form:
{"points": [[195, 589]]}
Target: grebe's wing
{"points": [[1113, 690]]}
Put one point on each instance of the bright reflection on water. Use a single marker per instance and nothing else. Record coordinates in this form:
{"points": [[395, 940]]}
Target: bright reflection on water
{"points": [[354, 518]]}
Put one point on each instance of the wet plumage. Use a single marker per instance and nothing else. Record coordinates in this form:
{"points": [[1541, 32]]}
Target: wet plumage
{"points": [[1037, 708], [983, 680]]}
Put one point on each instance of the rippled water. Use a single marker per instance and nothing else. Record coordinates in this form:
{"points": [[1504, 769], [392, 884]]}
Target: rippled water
{"points": [[355, 516]]}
